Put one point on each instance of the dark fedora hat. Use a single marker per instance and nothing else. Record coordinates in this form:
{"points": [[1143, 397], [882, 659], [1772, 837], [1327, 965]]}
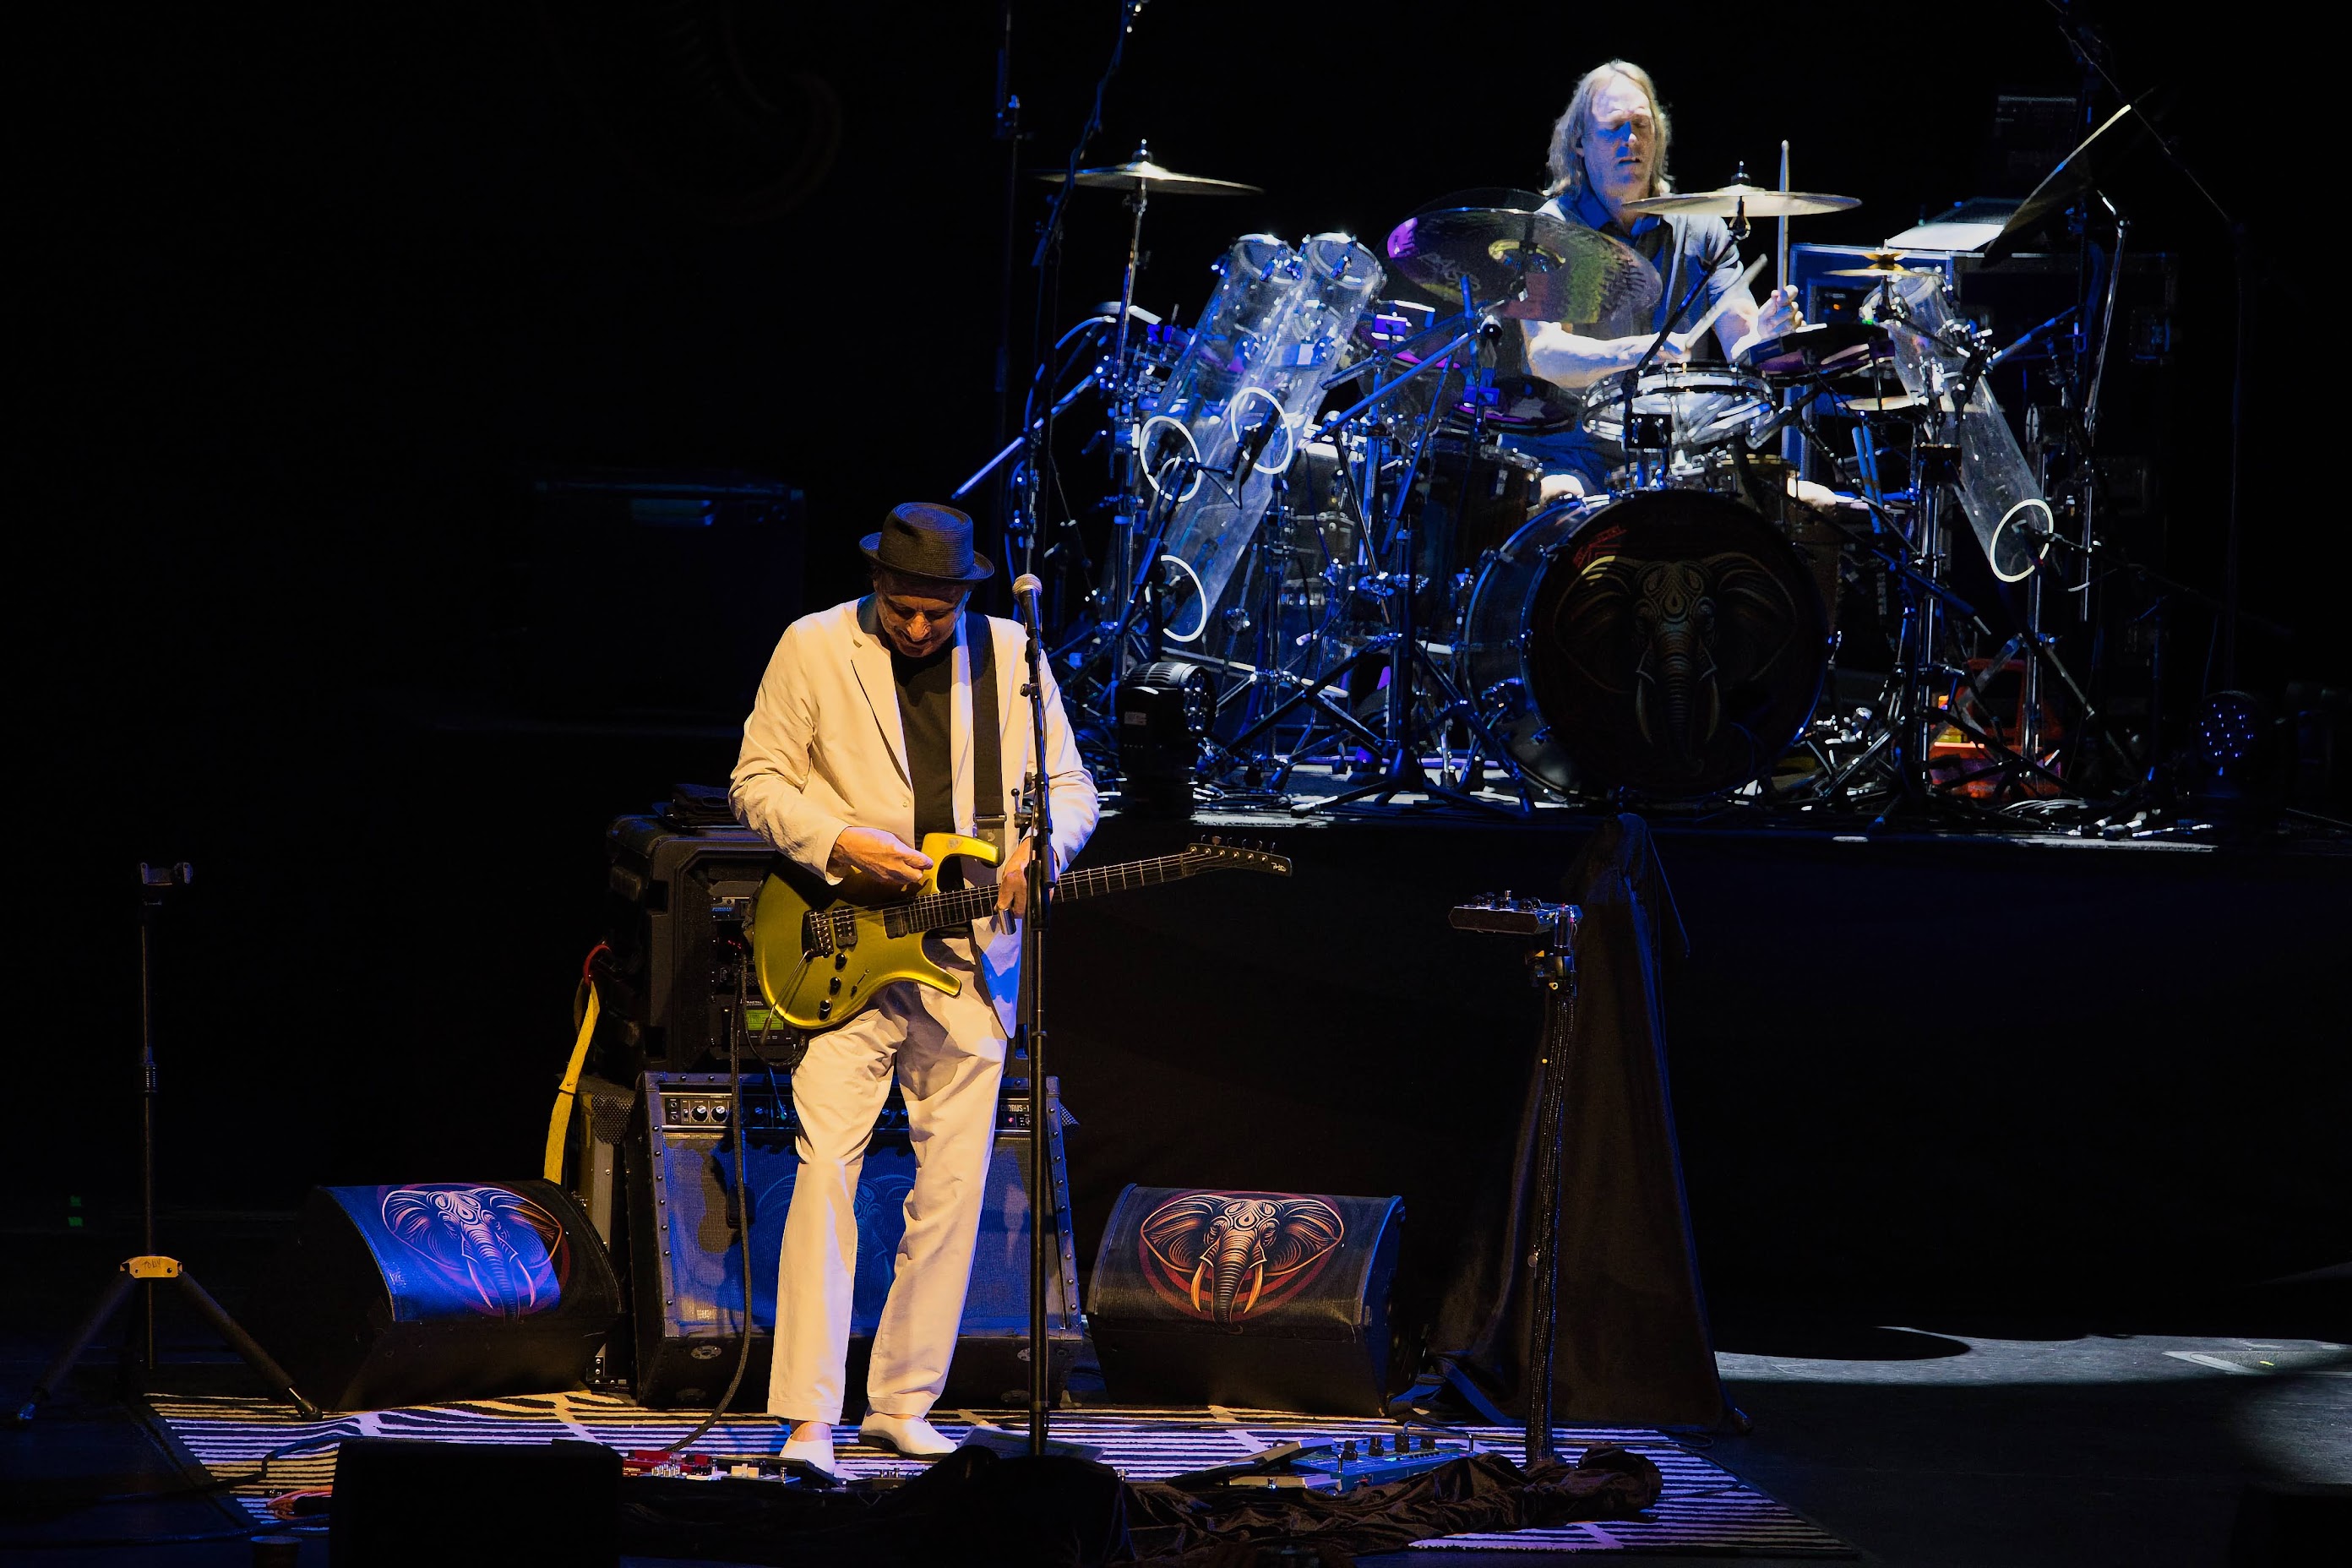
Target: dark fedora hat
{"points": [[919, 539]]}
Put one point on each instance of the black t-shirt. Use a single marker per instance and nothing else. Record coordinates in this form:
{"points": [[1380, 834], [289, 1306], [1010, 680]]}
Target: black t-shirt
{"points": [[927, 715]]}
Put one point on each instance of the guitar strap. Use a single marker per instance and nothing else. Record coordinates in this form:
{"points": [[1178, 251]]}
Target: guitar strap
{"points": [[987, 733]]}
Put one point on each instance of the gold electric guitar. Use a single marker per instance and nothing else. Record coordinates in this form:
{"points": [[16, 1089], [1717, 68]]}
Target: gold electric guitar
{"points": [[822, 952]]}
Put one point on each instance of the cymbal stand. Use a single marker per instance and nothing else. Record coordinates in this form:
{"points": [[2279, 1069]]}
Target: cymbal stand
{"points": [[1126, 504], [1312, 692], [1409, 662]]}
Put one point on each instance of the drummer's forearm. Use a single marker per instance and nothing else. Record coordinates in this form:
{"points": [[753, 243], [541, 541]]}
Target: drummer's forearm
{"points": [[1568, 360]]}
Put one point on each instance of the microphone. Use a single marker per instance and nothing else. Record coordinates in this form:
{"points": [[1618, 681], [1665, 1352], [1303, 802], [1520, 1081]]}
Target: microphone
{"points": [[1254, 441], [1026, 589]]}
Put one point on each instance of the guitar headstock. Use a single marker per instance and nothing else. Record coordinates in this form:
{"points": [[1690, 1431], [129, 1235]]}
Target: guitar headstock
{"points": [[1509, 916], [1215, 853]]}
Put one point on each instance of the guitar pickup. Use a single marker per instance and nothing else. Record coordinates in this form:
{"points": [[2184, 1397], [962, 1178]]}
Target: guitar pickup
{"points": [[827, 931]]}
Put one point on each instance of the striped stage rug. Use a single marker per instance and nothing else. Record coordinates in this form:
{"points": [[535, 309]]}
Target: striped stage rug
{"points": [[263, 1451]]}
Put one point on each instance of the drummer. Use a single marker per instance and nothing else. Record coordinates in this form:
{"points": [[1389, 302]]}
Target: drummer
{"points": [[1607, 149]]}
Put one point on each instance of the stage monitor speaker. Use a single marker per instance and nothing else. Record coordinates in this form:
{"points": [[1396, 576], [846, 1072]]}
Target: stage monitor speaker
{"points": [[400, 1502], [436, 1290], [1264, 1301], [685, 1283]]}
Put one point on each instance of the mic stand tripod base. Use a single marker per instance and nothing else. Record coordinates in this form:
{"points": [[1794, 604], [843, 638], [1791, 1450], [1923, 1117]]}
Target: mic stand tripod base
{"points": [[149, 1269]]}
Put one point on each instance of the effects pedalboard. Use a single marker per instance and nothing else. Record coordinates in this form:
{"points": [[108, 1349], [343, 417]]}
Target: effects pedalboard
{"points": [[1339, 1466]]}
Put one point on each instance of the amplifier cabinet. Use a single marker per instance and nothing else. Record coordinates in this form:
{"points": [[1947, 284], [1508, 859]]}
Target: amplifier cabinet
{"points": [[1264, 1301], [686, 1284], [671, 889]]}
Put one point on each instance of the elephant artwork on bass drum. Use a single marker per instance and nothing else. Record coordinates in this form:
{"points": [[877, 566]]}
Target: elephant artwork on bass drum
{"points": [[1200, 1249], [1673, 642]]}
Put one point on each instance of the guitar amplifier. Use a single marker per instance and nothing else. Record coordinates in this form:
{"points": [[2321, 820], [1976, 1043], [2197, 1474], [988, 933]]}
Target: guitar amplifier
{"points": [[673, 890], [1264, 1301], [685, 1273]]}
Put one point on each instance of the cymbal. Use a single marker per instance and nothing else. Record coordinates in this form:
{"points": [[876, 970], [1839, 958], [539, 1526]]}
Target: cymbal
{"points": [[1802, 351], [2077, 173], [1569, 273], [1143, 174], [1756, 201], [1880, 264]]}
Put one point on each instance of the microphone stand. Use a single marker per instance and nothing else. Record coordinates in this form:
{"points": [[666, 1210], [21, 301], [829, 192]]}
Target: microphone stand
{"points": [[1043, 1211]]}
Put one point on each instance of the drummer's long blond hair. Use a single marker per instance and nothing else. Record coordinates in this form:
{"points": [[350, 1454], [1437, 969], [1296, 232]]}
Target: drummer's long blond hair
{"points": [[1568, 131]]}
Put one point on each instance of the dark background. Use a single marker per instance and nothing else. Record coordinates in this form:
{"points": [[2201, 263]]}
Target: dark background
{"points": [[309, 301]]}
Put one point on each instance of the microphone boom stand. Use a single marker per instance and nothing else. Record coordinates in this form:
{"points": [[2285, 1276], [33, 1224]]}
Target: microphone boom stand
{"points": [[1043, 1211], [144, 1270]]}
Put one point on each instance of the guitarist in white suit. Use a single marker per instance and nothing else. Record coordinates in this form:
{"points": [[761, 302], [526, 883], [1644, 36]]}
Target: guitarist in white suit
{"points": [[862, 740]]}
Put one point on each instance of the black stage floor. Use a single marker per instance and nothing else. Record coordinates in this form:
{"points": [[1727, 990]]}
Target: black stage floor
{"points": [[1947, 1442]]}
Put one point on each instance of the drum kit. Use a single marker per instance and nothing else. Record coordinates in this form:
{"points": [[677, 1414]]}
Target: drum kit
{"points": [[1329, 497]]}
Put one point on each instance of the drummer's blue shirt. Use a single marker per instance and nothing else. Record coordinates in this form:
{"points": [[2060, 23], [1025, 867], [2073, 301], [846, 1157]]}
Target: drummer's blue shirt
{"points": [[1681, 248]]}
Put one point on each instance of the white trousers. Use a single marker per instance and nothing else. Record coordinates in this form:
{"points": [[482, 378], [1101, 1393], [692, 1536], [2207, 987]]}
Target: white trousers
{"points": [[947, 1053]]}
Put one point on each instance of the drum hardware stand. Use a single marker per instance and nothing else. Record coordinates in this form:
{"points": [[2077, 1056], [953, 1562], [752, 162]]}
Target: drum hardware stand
{"points": [[155, 884], [1402, 769], [1632, 379]]}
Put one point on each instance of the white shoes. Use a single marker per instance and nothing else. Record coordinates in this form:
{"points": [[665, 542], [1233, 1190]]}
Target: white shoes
{"points": [[911, 1435], [818, 1451]]}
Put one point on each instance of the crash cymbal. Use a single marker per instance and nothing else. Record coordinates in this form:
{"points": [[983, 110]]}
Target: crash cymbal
{"points": [[1140, 173], [1551, 270], [1754, 200], [1880, 264]]}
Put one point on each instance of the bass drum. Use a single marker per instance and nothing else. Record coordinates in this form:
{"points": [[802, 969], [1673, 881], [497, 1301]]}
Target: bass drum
{"points": [[1669, 642]]}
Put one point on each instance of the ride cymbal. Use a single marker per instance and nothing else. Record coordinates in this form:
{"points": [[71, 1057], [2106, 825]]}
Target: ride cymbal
{"points": [[1754, 201]]}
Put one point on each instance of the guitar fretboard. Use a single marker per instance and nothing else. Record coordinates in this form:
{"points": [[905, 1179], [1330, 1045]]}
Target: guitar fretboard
{"points": [[935, 910]]}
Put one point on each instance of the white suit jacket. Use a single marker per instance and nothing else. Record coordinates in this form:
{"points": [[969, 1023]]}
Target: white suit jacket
{"points": [[824, 750]]}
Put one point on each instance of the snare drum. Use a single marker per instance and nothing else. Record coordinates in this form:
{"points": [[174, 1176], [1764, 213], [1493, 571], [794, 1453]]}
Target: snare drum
{"points": [[1705, 406]]}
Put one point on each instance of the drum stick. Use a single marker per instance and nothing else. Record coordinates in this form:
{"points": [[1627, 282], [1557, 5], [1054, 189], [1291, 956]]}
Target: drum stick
{"points": [[1780, 259], [1723, 301]]}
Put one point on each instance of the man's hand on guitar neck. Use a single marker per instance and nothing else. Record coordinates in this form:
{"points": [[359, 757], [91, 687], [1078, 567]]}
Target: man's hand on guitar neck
{"points": [[1012, 881], [879, 856]]}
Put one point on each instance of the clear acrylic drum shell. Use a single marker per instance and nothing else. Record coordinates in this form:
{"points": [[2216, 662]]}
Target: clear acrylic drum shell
{"points": [[1708, 404], [1273, 331], [2003, 501]]}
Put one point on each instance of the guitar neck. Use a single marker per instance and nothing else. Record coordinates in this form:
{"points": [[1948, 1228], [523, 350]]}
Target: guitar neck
{"points": [[936, 912]]}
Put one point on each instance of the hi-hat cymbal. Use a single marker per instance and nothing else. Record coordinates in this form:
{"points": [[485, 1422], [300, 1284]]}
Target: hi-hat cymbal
{"points": [[1754, 200], [1880, 264], [1140, 173], [1497, 241]]}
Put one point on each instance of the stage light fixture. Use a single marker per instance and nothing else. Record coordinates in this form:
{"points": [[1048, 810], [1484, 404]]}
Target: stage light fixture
{"points": [[1164, 709]]}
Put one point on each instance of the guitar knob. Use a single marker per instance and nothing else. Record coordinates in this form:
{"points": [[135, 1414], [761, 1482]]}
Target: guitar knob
{"points": [[834, 985], [824, 1009]]}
